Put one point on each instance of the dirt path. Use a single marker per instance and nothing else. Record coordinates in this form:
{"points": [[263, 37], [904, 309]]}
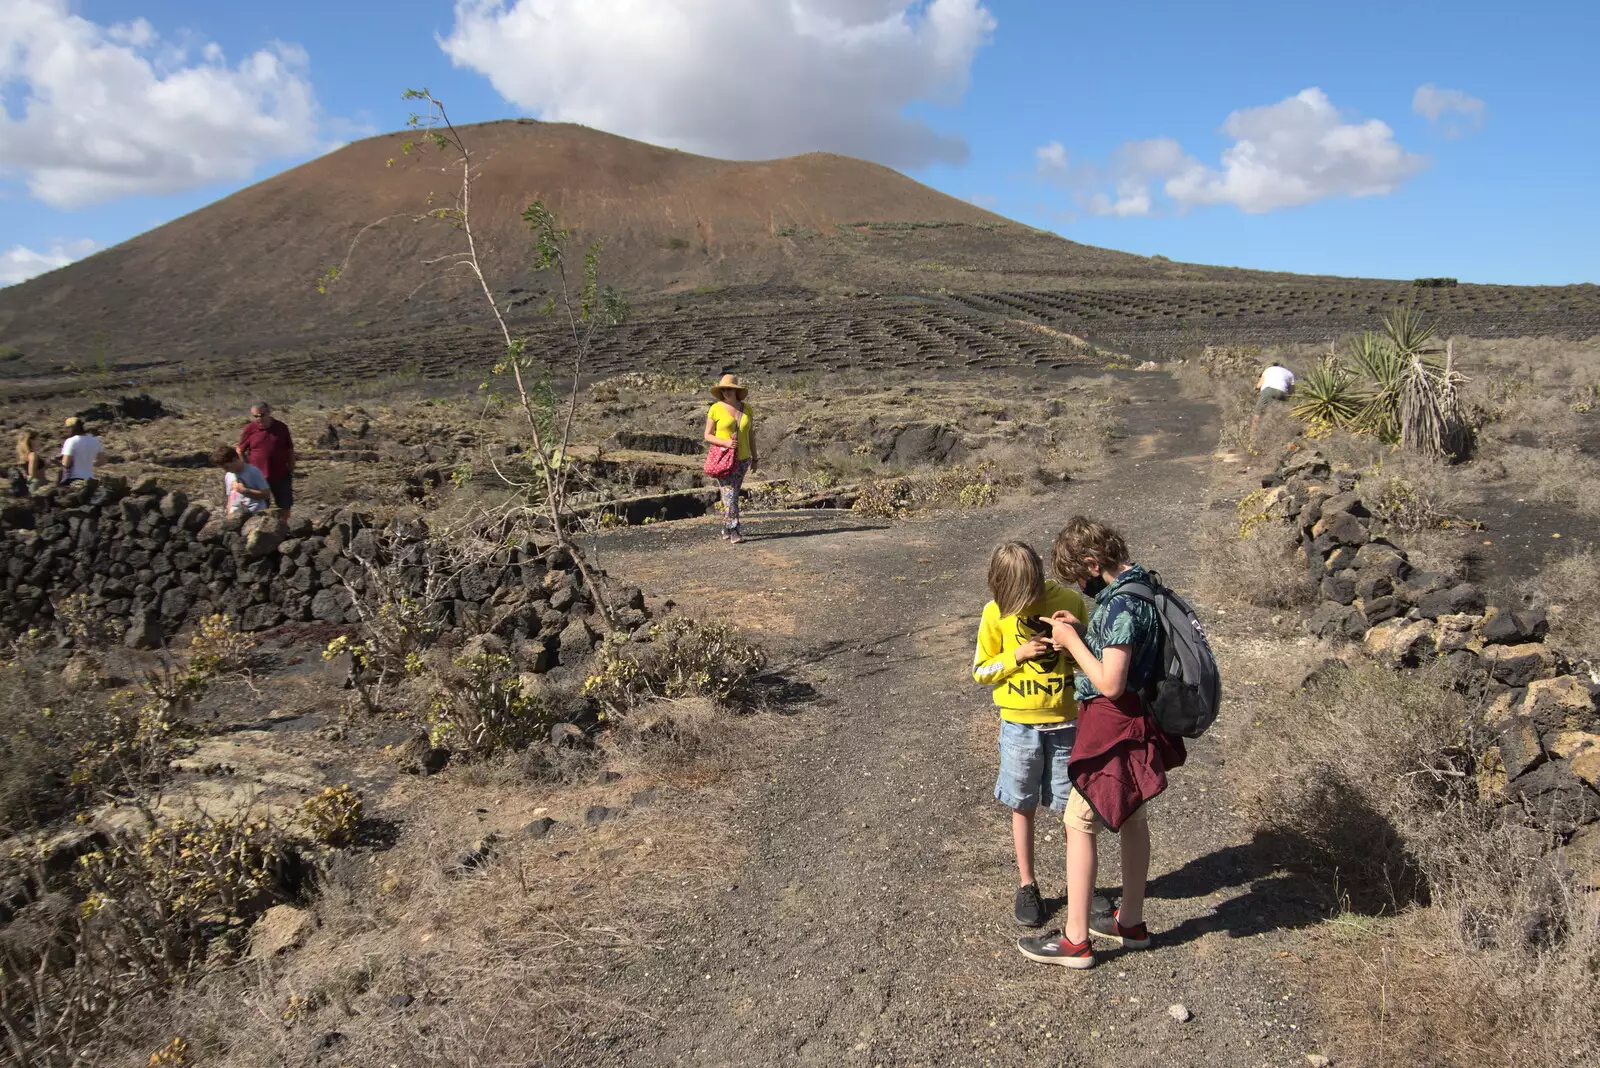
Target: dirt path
{"points": [[871, 924]]}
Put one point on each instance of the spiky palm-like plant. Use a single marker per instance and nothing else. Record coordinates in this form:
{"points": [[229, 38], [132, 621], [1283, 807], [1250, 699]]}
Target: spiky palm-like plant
{"points": [[1383, 368], [1393, 385], [1327, 396]]}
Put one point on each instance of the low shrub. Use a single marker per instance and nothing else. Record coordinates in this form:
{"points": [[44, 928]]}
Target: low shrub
{"points": [[1257, 563], [332, 816], [1372, 749], [961, 486], [1573, 583], [140, 915], [89, 629], [684, 658], [219, 647], [1408, 505], [481, 708], [59, 745]]}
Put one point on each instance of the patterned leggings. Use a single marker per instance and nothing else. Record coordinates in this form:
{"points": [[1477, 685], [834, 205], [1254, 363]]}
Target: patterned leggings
{"points": [[730, 494]]}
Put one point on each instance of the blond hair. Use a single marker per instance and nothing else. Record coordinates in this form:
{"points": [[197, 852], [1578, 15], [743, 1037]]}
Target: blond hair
{"points": [[1084, 537], [25, 442], [1016, 577]]}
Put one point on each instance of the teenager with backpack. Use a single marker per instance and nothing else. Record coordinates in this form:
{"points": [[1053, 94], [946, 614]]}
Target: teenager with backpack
{"points": [[1121, 756]]}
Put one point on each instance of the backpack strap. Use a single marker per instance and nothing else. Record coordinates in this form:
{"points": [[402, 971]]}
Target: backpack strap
{"points": [[1140, 591]]}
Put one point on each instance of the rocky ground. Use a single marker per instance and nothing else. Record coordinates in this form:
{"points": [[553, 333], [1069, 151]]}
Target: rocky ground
{"points": [[835, 886]]}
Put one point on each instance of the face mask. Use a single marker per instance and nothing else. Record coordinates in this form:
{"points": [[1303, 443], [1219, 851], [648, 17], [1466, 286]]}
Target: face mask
{"points": [[1094, 585]]}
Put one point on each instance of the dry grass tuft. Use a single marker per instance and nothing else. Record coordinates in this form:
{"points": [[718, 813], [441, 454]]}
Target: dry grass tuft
{"points": [[1573, 583], [1564, 477], [1343, 806], [1265, 569], [517, 958], [1412, 989], [1460, 940], [54, 740]]}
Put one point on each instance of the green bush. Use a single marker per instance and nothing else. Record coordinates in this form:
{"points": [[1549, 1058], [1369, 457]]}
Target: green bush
{"points": [[481, 709], [684, 658]]}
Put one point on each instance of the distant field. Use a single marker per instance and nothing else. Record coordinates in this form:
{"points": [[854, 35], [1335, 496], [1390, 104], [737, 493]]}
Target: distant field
{"points": [[781, 333]]}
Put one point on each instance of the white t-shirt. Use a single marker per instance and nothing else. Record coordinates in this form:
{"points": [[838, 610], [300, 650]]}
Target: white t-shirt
{"points": [[1279, 378], [82, 449], [250, 477]]}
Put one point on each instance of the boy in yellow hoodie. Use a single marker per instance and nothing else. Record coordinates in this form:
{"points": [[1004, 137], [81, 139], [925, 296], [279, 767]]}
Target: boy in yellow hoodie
{"points": [[1032, 683]]}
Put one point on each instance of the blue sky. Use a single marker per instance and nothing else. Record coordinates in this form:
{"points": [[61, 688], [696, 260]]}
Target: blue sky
{"points": [[1390, 140]]}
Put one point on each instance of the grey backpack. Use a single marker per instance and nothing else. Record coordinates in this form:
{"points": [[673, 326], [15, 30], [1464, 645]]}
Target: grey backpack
{"points": [[1184, 698]]}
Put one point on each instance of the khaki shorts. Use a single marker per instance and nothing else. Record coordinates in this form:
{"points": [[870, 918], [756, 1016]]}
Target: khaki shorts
{"points": [[1080, 817]]}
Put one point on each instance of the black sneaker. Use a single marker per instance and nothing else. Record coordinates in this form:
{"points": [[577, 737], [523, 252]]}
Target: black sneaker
{"points": [[1053, 948], [1030, 906], [1110, 927]]}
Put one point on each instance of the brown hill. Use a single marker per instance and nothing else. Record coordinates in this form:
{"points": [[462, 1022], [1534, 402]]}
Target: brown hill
{"points": [[239, 274]]}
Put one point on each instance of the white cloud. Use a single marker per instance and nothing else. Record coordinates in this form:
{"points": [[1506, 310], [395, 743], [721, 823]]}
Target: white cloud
{"points": [[97, 112], [746, 79], [1452, 112], [1051, 160], [18, 264], [1295, 152]]}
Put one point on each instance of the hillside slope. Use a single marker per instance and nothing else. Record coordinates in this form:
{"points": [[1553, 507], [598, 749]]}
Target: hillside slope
{"points": [[239, 274]]}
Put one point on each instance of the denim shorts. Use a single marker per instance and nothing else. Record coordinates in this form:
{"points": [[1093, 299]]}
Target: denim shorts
{"points": [[1033, 766]]}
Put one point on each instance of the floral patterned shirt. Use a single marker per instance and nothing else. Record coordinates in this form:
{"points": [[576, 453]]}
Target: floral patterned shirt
{"points": [[1124, 620]]}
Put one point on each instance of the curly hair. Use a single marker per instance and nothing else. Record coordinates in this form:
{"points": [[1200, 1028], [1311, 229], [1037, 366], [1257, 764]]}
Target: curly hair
{"points": [[1081, 538]]}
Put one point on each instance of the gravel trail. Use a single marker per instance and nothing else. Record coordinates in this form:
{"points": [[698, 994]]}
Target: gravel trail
{"points": [[871, 924]]}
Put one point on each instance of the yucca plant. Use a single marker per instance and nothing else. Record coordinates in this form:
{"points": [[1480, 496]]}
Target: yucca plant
{"points": [[1383, 367], [1431, 419], [1327, 396], [1408, 333], [1392, 385]]}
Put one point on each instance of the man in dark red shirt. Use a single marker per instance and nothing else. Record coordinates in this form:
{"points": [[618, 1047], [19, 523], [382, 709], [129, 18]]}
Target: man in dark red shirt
{"points": [[265, 444]]}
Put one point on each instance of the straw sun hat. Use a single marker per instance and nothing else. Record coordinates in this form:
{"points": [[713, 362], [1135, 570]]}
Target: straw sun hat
{"points": [[730, 384]]}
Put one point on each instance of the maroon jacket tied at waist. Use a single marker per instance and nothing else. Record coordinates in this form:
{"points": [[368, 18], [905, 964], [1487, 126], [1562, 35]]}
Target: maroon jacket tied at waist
{"points": [[1120, 758]]}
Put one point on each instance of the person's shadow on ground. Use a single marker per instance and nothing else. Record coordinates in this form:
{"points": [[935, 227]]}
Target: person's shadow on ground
{"points": [[1290, 883]]}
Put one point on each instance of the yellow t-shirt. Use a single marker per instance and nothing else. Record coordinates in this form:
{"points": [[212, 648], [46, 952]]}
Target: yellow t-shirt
{"points": [[1037, 691], [723, 417]]}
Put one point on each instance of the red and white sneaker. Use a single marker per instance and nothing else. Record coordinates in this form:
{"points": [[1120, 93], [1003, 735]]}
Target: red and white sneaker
{"points": [[1055, 948], [1110, 928]]}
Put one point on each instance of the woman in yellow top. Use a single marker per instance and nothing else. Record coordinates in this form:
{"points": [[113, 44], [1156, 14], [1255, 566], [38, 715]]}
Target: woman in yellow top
{"points": [[730, 423]]}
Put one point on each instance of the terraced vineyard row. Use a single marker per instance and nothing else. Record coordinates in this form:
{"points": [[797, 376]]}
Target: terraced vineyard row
{"points": [[943, 332], [877, 335], [1162, 322]]}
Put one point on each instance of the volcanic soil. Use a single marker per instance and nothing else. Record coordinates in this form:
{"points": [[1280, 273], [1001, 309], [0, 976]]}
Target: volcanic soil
{"points": [[869, 921]]}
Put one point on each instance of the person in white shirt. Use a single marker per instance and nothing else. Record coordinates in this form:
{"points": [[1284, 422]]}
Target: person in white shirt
{"points": [[79, 452], [1275, 383], [247, 488]]}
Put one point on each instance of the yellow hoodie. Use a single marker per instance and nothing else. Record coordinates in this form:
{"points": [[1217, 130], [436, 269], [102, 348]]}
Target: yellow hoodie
{"points": [[1036, 692]]}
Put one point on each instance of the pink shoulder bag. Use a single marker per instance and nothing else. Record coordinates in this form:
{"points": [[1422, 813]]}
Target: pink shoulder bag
{"points": [[721, 458]]}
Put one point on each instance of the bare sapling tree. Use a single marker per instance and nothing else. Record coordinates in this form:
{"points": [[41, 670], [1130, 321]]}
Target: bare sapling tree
{"points": [[580, 306]]}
